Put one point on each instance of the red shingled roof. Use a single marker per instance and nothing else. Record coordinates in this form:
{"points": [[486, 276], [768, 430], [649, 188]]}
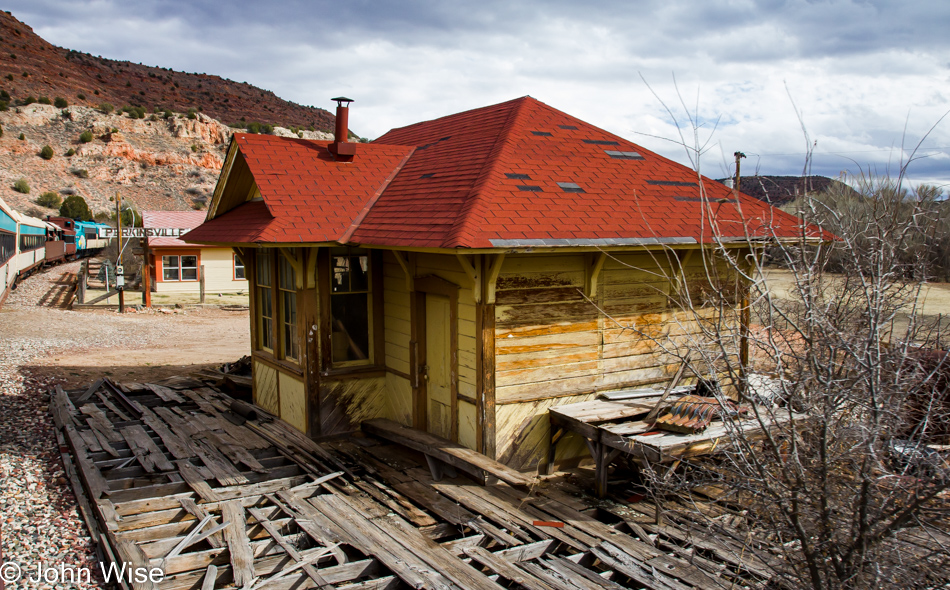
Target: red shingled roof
{"points": [[173, 219], [308, 196], [489, 178]]}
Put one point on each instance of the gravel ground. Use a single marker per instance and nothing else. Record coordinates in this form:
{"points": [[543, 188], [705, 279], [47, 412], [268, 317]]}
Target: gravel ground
{"points": [[38, 516]]}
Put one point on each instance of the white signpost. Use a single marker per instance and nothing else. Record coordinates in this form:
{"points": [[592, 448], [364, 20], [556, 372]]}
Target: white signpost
{"points": [[143, 232]]}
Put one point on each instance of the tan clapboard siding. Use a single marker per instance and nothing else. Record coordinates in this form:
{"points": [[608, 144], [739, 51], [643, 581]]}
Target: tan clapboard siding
{"points": [[265, 388], [399, 398], [524, 433], [346, 403], [396, 315], [551, 342], [467, 430], [293, 401]]}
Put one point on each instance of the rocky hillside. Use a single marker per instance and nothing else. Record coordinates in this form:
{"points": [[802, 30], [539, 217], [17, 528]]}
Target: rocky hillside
{"points": [[157, 163], [165, 154], [29, 66]]}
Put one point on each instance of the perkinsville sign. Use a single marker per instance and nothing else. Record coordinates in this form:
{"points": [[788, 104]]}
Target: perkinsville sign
{"points": [[143, 232]]}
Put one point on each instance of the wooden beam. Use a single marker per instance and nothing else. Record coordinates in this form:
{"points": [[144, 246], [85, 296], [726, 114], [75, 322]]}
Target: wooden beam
{"points": [[593, 272], [296, 264], [493, 271], [404, 263], [473, 274]]}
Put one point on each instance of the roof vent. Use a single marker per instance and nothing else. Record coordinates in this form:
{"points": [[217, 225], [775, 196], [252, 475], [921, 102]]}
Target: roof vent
{"points": [[542, 133], [529, 188], [623, 155], [601, 142], [517, 176], [340, 147], [570, 187]]}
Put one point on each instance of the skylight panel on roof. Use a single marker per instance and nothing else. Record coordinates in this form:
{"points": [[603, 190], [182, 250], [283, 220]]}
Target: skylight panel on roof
{"points": [[570, 127], [601, 142], [570, 187], [517, 176], [529, 188], [542, 133], [623, 155], [671, 183]]}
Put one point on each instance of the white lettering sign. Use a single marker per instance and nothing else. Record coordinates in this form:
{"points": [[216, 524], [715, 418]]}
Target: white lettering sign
{"points": [[143, 232]]}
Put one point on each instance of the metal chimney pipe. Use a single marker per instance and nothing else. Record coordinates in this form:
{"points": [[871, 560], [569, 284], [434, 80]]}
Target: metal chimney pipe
{"points": [[340, 146]]}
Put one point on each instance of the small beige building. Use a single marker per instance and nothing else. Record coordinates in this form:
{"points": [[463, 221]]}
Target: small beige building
{"points": [[176, 265]]}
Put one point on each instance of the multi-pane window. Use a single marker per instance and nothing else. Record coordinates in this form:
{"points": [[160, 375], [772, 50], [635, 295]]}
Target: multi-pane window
{"points": [[349, 305], [29, 242], [238, 269], [180, 268], [7, 246], [265, 305], [288, 309]]}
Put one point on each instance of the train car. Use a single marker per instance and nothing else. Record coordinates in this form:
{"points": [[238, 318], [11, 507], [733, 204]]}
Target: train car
{"points": [[90, 243], [31, 244], [55, 245], [68, 229], [8, 243]]}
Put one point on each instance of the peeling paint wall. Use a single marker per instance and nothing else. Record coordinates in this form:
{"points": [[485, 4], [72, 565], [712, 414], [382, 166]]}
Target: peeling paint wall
{"points": [[555, 346]]}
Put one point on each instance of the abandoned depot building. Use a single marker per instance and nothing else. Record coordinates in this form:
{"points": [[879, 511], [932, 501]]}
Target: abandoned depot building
{"points": [[456, 276]]}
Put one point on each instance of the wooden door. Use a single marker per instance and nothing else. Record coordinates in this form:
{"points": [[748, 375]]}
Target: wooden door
{"points": [[438, 374]]}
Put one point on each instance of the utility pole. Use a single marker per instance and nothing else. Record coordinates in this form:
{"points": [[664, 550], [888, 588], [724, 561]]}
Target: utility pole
{"points": [[119, 271]]}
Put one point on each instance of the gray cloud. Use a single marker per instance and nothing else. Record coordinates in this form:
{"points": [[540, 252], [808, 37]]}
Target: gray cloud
{"points": [[858, 71]]}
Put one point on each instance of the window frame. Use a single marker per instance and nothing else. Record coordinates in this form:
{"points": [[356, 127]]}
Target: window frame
{"points": [[237, 261], [160, 277], [376, 345], [264, 293], [288, 329]]}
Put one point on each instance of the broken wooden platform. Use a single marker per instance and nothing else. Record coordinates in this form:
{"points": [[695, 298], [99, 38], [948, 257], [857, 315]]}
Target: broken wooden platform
{"points": [[612, 428], [169, 477]]}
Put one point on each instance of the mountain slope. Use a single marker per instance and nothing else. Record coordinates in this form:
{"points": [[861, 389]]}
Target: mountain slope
{"points": [[30, 66]]}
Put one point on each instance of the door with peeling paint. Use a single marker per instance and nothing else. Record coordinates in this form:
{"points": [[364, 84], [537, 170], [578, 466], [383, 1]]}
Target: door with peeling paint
{"points": [[438, 366]]}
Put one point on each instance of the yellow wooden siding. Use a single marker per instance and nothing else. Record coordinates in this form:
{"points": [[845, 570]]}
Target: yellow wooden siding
{"points": [[467, 429], [399, 397], [293, 401], [524, 433], [265, 388], [553, 346], [347, 403]]}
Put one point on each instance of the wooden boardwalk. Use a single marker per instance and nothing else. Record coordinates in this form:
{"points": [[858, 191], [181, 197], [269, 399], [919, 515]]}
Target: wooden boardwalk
{"points": [[169, 477]]}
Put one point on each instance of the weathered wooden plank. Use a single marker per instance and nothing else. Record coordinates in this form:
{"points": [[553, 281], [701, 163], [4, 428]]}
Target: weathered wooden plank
{"points": [[505, 569], [362, 534], [165, 393], [451, 453], [274, 532], [88, 472], [145, 450], [239, 546]]}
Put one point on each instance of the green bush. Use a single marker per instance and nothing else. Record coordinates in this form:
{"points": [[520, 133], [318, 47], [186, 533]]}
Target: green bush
{"points": [[22, 186], [253, 127], [22, 137], [106, 108], [81, 96], [80, 172], [168, 114], [4, 105], [4, 95], [70, 153], [194, 147], [49, 199], [85, 136], [60, 102], [192, 114], [29, 100], [45, 100], [46, 153], [75, 207], [1, 130]]}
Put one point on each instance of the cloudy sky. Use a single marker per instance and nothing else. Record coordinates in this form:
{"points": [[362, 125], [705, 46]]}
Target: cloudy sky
{"points": [[866, 77]]}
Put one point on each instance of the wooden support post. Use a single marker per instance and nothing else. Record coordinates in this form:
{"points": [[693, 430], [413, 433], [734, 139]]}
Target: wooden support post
{"points": [[201, 282], [556, 434], [146, 275]]}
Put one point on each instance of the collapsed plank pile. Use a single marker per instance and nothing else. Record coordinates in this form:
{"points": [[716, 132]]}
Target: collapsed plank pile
{"points": [[176, 476]]}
